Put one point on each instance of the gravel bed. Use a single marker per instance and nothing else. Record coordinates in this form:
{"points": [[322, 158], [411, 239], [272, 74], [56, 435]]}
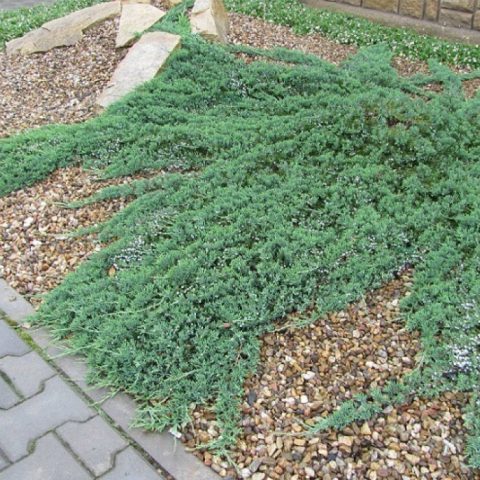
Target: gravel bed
{"points": [[307, 373], [35, 250], [59, 86], [257, 33]]}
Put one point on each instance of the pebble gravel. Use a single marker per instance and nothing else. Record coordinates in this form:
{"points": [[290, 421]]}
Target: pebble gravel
{"points": [[304, 373], [59, 86], [36, 250]]}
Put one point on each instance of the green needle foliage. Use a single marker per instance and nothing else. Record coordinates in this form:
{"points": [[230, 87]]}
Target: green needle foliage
{"points": [[289, 184], [348, 29]]}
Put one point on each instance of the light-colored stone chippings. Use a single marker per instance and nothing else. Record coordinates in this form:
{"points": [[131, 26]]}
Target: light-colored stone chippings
{"points": [[209, 18], [59, 86], [63, 31], [135, 19], [35, 250], [305, 373], [141, 64]]}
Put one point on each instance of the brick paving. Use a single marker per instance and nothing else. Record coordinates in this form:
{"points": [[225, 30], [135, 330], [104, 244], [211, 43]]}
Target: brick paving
{"points": [[12, 4], [48, 431], [48, 428]]}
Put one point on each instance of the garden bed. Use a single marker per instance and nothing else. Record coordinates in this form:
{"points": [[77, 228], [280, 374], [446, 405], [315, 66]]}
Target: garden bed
{"points": [[286, 187], [308, 372]]}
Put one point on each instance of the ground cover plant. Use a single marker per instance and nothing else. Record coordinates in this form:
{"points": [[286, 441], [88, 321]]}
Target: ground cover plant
{"points": [[341, 27], [349, 29], [289, 185]]}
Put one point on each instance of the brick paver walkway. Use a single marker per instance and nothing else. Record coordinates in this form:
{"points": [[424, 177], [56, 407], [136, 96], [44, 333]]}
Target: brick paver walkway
{"points": [[48, 428], [48, 431], [11, 4]]}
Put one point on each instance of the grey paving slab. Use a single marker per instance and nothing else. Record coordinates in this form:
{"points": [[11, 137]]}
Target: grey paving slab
{"points": [[130, 465], [42, 337], [60, 411], [38, 415], [13, 304], [13, 4], [27, 372], [95, 442], [163, 447], [49, 461], [75, 368], [10, 342], [3, 461], [8, 398]]}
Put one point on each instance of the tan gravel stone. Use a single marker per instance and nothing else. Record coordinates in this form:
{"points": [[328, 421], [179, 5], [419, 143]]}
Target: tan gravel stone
{"points": [[365, 430], [59, 86]]}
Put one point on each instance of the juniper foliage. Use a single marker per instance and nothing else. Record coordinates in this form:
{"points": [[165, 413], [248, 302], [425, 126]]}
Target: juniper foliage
{"points": [[288, 185], [352, 30]]}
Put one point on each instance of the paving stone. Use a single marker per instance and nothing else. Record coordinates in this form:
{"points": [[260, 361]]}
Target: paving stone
{"points": [[136, 18], [10, 342], [130, 465], [75, 368], [29, 420], [163, 447], [49, 461], [42, 337], [142, 63], [27, 373], [12, 303], [8, 398], [13, 4], [3, 462], [98, 454]]}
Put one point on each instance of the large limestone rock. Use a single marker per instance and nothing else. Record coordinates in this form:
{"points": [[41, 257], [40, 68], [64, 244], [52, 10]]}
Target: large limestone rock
{"points": [[142, 63], [63, 31], [42, 40], [209, 18], [136, 18]]}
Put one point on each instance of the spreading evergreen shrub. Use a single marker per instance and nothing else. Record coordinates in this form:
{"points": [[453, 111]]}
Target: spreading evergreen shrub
{"points": [[352, 30], [288, 185]]}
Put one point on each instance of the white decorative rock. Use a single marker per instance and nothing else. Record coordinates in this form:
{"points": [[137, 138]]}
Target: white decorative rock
{"points": [[136, 18], [63, 31], [142, 63], [210, 19]]}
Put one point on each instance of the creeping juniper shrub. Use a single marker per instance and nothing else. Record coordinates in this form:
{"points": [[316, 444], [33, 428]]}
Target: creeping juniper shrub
{"points": [[352, 30], [286, 185]]}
